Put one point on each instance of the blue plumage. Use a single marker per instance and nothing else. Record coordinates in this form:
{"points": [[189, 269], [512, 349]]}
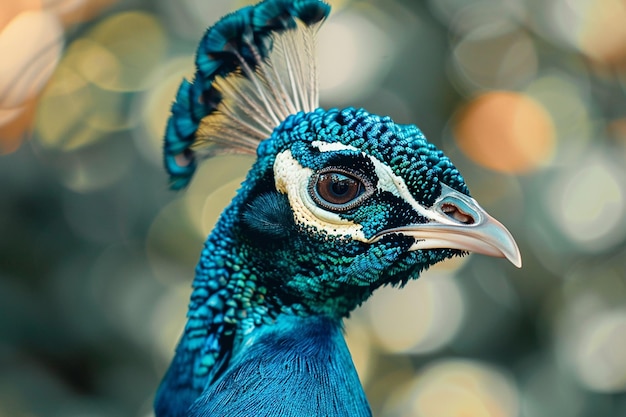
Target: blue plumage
{"points": [[295, 366], [337, 204]]}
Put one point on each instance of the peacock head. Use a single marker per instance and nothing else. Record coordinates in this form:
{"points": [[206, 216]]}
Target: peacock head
{"points": [[339, 202]]}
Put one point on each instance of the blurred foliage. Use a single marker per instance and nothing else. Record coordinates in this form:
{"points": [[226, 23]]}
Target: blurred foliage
{"points": [[528, 98]]}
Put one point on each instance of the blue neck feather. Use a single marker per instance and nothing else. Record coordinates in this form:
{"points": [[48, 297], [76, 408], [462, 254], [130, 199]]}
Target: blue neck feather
{"points": [[297, 367]]}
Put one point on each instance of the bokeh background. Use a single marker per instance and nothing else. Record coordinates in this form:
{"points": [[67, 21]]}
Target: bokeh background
{"points": [[527, 97]]}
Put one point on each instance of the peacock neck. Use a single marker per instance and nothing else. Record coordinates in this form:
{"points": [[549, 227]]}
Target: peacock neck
{"points": [[243, 289], [299, 366]]}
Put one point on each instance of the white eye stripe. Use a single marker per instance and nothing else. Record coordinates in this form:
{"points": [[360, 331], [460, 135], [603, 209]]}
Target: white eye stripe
{"points": [[387, 179], [292, 179]]}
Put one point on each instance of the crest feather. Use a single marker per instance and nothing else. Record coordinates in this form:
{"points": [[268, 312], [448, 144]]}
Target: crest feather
{"points": [[254, 68]]}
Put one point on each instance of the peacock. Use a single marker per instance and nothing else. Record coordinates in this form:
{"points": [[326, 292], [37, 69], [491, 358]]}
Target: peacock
{"points": [[338, 203]]}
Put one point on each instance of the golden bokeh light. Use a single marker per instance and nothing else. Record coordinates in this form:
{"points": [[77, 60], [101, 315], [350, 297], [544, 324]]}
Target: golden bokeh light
{"points": [[68, 11], [602, 35], [461, 388], [11, 9], [94, 62], [126, 48], [588, 203], [31, 41], [90, 93], [422, 317], [505, 131], [63, 109], [593, 27], [32, 38]]}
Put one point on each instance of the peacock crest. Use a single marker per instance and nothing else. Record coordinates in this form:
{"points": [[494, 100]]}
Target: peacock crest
{"points": [[254, 68]]}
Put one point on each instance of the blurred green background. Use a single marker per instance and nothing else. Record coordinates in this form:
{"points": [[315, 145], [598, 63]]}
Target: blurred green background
{"points": [[96, 254]]}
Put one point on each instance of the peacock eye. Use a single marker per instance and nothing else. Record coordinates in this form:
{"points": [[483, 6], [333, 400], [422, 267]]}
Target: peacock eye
{"points": [[337, 189]]}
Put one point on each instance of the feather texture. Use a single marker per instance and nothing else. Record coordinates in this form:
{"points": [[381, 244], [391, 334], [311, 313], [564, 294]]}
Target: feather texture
{"points": [[254, 68], [304, 360]]}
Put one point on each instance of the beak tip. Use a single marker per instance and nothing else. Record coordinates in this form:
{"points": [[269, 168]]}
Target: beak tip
{"points": [[515, 258]]}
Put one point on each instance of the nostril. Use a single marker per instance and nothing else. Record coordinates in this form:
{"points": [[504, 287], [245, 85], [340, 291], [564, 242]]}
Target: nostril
{"points": [[455, 213]]}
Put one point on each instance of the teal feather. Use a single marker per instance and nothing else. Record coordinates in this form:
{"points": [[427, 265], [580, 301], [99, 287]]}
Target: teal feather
{"points": [[241, 38], [303, 359]]}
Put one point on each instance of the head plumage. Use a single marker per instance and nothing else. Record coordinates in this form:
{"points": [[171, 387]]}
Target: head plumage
{"points": [[254, 68]]}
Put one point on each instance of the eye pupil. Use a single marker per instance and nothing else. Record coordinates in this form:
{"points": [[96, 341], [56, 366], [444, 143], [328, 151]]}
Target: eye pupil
{"points": [[340, 185]]}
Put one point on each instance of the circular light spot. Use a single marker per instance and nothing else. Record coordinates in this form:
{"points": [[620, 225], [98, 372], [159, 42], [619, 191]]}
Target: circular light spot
{"points": [[596, 28], [424, 316], [600, 356], [567, 101], [349, 70], [505, 131], [495, 57], [63, 109], [588, 204], [603, 33], [33, 40], [459, 388], [73, 112], [126, 48], [95, 63]]}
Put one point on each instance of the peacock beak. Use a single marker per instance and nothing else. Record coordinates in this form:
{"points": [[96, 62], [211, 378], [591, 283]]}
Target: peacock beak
{"points": [[457, 221]]}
